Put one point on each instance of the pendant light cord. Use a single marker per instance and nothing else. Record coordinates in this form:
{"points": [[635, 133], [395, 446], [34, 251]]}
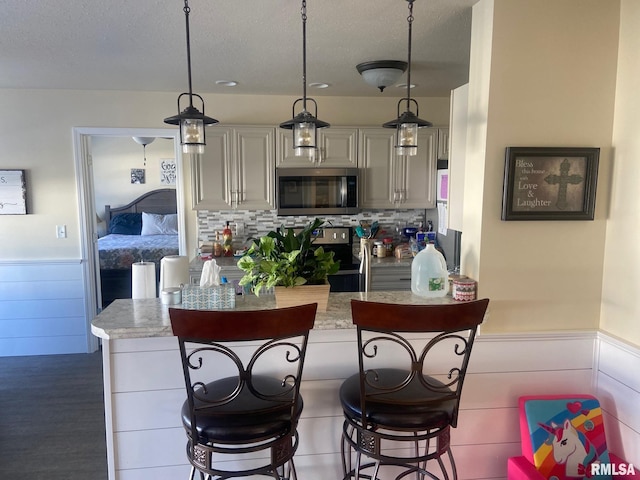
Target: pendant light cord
{"points": [[303, 12], [187, 10], [410, 22]]}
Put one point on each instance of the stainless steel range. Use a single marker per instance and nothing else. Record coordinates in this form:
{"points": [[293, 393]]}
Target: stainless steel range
{"points": [[339, 240]]}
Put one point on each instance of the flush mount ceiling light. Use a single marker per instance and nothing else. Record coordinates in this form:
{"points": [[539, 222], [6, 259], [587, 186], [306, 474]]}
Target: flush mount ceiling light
{"points": [[191, 120], [144, 141], [381, 73], [407, 124], [304, 124]]}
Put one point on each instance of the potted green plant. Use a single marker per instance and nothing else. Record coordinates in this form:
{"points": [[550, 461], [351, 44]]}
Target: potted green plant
{"points": [[283, 259]]}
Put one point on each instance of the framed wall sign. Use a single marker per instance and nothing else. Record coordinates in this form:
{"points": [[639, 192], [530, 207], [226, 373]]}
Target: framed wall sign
{"points": [[168, 169], [13, 192], [550, 183]]}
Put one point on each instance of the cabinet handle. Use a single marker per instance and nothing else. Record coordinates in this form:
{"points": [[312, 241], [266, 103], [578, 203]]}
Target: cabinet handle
{"points": [[235, 198]]}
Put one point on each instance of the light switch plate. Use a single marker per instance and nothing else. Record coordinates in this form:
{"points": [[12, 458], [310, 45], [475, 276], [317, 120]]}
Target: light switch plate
{"points": [[61, 231]]}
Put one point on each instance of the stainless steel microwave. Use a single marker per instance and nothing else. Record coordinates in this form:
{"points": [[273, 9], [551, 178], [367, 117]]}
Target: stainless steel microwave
{"points": [[317, 191]]}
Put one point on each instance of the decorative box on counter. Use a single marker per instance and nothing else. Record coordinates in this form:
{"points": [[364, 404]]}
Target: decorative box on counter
{"points": [[209, 298]]}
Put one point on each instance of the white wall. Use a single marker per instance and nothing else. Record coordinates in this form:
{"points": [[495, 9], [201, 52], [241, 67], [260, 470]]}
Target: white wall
{"points": [[621, 280], [538, 77]]}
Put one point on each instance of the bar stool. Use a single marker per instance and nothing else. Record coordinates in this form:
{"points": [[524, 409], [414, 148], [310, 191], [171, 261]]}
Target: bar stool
{"points": [[400, 407], [242, 373]]}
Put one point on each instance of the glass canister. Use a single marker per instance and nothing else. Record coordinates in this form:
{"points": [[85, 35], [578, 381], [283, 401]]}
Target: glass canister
{"points": [[378, 249]]}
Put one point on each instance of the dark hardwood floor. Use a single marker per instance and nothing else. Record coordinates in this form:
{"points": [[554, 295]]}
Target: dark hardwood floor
{"points": [[52, 418]]}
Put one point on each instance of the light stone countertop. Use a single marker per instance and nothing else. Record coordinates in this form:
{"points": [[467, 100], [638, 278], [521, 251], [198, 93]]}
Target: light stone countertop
{"points": [[129, 318]]}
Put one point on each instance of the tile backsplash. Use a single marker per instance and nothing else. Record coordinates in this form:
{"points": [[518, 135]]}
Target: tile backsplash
{"points": [[259, 222]]}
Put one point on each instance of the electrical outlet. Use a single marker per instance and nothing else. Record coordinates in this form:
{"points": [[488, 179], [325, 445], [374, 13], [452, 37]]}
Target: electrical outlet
{"points": [[239, 228], [61, 231]]}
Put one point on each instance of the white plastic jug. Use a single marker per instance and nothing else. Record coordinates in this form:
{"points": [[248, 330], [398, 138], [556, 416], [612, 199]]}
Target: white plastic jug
{"points": [[429, 276]]}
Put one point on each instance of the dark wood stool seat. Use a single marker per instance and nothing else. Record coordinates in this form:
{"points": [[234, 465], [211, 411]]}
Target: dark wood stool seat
{"points": [[242, 372], [401, 405]]}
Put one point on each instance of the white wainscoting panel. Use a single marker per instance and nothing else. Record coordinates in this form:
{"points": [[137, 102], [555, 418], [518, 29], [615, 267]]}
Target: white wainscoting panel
{"points": [[145, 391], [618, 389], [42, 308]]}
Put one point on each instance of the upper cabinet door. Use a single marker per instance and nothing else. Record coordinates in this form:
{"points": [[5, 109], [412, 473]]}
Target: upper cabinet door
{"points": [[378, 168], [212, 172], [420, 172], [254, 168], [236, 170], [337, 147], [391, 181]]}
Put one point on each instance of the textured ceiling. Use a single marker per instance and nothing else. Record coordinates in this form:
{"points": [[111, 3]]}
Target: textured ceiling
{"points": [[141, 45]]}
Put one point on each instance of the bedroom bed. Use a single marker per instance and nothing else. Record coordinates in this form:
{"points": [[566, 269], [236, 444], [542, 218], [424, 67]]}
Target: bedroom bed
{"points": [[143, 230]]}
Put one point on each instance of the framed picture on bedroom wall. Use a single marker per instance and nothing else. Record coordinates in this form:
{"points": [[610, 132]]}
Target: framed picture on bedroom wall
{"points": [[137, 175], [168, 171], [13, 193]]}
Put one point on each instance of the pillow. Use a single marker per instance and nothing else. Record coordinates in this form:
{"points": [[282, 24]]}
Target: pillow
{"points": [[126, 224], [154, 224]]}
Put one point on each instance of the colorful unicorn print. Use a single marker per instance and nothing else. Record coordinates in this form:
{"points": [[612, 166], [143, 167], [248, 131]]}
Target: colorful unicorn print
{"points": [[571, 448]]}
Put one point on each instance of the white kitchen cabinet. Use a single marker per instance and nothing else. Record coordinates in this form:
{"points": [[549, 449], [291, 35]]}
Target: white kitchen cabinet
{"points": [[388, 180], [443, 143], [236, 170], [337, 147]]}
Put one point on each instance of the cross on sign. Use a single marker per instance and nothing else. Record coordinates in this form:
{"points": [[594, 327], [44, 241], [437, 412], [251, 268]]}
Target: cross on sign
{"points": [[563, 180]]}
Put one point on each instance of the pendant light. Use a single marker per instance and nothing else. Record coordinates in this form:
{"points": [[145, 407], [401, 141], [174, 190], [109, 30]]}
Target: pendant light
{"points": [[407, 124], [191, 121], [304, 124]]}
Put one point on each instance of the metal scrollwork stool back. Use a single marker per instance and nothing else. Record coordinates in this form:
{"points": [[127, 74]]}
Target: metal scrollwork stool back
{"points": [[400, 407], [242, 373]]}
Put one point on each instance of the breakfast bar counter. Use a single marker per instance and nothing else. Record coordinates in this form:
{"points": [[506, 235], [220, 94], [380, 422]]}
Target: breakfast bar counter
{"points": [[128, 318], [144, 388]]}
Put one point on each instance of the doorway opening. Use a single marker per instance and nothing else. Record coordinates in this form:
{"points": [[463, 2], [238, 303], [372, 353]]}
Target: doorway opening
{"points": [[101, 184]]}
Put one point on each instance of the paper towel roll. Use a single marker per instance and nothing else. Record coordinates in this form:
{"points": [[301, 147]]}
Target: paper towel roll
{"points": [[143, 280], [174, 271]]}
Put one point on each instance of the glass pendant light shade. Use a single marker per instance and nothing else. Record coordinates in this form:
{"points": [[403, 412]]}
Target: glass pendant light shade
{"points": [[305, 131], [305, 125], [192, 123], [191, 120], [408, 123]]}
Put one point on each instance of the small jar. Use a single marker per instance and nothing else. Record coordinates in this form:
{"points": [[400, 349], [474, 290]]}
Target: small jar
{"points": [[388, 245], [378, 249]]}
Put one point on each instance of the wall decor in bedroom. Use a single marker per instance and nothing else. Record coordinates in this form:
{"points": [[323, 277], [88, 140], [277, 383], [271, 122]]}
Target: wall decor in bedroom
{"points": [[137, 175], [13, 192], [168, 171]]}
